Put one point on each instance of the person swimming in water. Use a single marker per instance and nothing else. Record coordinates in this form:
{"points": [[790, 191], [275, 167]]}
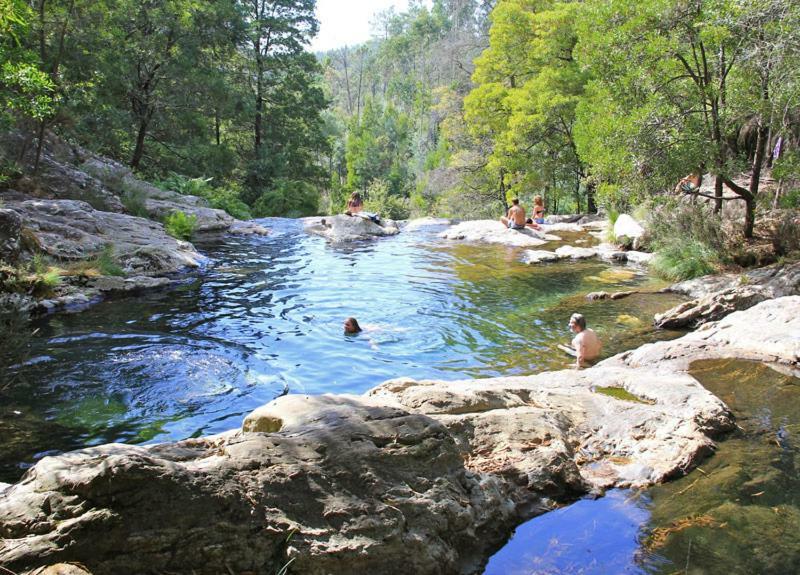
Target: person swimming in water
{"points": [[351, 326]]}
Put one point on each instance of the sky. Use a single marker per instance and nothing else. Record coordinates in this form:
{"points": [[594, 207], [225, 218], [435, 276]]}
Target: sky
{"points": [[347, 22]]}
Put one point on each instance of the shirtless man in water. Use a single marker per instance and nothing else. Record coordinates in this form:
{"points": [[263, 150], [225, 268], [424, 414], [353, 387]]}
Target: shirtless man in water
{"points": [[515, 218], [586, 346]]}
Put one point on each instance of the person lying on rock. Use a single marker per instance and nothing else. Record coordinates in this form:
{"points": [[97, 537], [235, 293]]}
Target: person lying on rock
{"points": [[355, 207], [586, 346], [515, 219], [689, 184]]}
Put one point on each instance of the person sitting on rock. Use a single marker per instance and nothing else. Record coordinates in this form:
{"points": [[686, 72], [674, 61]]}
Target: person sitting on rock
{"points": [[689, 184], [515, 219], [354, 204], [529, 223], [586, 346], [538, 210]]}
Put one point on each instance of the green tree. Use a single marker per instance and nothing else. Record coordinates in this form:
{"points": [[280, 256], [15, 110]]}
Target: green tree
{"points": [[676, 83]]}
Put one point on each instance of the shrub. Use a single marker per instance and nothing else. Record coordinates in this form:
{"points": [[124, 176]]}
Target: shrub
{"points": [[222, 198], [790, 200], [180, 226], [683, 259], [786, 234], [380, 201], [290, 198]]}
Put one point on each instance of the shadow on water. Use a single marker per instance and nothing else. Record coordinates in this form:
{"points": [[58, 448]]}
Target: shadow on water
{"points": [[267, 315], [737, 514]]}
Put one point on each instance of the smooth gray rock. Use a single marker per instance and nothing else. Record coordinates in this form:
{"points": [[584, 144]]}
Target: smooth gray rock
{"points": [[538, 256], [492, 231], [576, 253], [342, 228], [10, 229], [718, 296], [626, 226], [73, 230]]}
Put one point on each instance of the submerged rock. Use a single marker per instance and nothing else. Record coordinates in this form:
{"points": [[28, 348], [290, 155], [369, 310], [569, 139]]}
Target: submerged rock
{"points": [[343, 228], [414, 476], [492, 231]]}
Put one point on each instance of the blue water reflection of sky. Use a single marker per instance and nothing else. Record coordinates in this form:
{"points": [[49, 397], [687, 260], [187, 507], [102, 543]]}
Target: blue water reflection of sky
{"points": [[589, 537]]}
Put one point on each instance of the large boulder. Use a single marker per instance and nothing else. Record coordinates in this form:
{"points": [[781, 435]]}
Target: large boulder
{"points": [[627, 227], [10, 229], [492, 231], [73, 230], [342, 228]]}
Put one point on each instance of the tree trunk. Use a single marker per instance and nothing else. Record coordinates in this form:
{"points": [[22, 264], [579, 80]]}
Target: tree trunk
{"points": [[591, 207], [138, 152], [718, 194]]}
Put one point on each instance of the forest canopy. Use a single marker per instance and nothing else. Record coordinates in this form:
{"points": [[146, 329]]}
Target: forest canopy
{"points": [[452, 108]]}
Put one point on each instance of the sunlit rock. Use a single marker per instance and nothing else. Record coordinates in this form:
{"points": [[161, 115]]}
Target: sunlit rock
{"points": [[343, 228], [492, 231]]}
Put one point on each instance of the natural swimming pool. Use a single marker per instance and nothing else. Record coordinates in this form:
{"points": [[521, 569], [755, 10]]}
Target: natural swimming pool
{"points": [[266, 316]]}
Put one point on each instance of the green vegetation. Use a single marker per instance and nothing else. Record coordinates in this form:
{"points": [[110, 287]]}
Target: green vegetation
{"points": [[451, 109], [222, 198], [683, 259], [180, 226]]}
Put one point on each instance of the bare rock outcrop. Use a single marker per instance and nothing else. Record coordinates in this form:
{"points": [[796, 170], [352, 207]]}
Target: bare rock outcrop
{"points": [[414, 476], [718, 296], [10, 229], [73, 230], [343, 228]]}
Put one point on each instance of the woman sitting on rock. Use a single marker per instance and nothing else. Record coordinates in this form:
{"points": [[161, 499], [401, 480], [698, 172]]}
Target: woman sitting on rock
{"points": [[354, 204], [538, 210]]}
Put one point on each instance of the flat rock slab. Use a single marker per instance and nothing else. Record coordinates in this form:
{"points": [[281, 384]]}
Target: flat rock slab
{"points": [[73, 230], [576, 253], [492, 231], [425, 223], [538, 256], [718, 296], [423, 477], [342, 228]]}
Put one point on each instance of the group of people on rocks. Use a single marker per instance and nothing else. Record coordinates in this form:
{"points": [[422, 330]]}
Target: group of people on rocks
{"points": [[515, 218]]}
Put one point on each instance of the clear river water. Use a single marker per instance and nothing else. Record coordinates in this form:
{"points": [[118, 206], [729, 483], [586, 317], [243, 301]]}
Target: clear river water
{"points": [[265, 317]]}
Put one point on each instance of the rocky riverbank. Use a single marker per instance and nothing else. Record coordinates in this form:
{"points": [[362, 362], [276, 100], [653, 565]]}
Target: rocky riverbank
{"points": [[414, 476], [79, 205]]}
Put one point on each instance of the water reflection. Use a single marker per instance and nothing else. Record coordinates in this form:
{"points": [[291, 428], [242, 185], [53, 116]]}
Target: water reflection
{"points": [[266, 315]]}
